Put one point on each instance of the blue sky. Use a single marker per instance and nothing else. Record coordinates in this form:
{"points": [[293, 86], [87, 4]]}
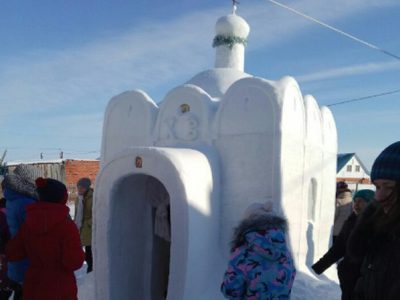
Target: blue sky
{"points": [[61, 62]]}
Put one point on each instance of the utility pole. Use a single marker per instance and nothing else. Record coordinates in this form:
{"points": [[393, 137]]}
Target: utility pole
{"points": [[2, 166]]}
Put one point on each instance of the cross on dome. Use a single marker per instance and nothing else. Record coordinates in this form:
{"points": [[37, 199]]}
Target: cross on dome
{"points": [[234, 6]]}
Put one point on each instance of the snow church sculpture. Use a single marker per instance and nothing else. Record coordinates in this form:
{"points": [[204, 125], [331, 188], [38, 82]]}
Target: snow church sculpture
{"points": [[192, 164]]}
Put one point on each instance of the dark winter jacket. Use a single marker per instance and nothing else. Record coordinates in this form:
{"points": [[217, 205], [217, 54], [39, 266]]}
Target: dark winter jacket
{"points": [[260, 265], [16, 203], [348, 270], [50, 239], [379, 252], [4, 231], [4, 237]]}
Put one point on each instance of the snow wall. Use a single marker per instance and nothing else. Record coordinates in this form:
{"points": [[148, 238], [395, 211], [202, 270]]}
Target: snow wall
{"points": [[249, 141]]}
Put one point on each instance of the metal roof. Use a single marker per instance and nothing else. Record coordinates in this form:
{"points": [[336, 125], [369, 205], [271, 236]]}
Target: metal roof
{"points": [[344, 158]]}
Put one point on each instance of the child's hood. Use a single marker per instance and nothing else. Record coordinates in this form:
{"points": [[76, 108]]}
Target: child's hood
{"points": [[251, 230], [42, 217]]}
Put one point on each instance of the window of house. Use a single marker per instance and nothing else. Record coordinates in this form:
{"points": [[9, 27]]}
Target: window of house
{"points": [[349, 168], [357, 168]]}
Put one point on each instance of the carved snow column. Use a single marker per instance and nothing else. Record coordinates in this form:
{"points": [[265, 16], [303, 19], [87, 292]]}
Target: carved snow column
{"points": [[313, 182], [330, 146], [128, 122], [230, 40]]}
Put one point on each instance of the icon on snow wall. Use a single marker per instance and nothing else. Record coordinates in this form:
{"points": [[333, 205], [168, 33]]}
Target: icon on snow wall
{"points": [[138, 162], [185, 108]]}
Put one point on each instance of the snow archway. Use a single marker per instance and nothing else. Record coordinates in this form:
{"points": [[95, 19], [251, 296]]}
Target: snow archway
{"points": [[140, 260], [126, 249]]}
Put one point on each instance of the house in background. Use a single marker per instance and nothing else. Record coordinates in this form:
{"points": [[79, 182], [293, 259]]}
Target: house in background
{"points": [[351, 170], [67, 171]]}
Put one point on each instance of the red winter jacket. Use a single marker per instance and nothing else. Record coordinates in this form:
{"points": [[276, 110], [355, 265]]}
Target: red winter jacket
{"points": [[50, 239]]}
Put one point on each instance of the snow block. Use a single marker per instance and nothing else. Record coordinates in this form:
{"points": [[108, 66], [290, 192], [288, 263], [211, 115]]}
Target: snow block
{"points": [[128, 121], [127, 255]]}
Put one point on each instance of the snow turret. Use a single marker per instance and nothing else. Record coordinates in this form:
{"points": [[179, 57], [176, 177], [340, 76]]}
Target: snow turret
{"points": [[230, 40]]}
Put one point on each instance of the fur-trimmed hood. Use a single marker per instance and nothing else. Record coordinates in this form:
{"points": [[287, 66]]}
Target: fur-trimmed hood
{"points": [[344, 198], [22, 181], [257, 223], [19, 186]]}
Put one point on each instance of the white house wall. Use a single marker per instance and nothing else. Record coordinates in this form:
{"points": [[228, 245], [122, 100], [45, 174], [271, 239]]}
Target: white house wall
{"points": [[360, 186]]}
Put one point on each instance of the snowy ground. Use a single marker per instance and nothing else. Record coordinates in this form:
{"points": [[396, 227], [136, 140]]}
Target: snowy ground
{"points": [[85, 284], [306, 286], [310, 287]]}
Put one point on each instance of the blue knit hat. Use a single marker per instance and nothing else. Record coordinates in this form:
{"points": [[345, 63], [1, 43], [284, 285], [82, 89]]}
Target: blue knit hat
{"points": [[387, 164], [366, 195]]}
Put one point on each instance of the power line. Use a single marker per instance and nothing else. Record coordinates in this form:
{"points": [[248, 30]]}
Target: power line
{"points": [[49, 135], [364, 98], [372, 46]]}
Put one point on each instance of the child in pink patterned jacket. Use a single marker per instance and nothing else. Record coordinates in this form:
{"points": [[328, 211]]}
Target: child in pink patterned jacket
{"points": [[260, 266]]}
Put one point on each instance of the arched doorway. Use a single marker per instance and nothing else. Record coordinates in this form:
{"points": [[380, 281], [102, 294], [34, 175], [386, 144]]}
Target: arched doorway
{"points": [[124, 224], [140, 214]]}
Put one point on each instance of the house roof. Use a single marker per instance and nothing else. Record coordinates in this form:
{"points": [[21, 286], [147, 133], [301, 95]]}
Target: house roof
{"points": [[46, 161], [344, 158]]}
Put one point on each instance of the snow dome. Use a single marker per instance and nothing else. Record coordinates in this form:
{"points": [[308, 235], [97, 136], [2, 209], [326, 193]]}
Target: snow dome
{"points": [[176, 176]]}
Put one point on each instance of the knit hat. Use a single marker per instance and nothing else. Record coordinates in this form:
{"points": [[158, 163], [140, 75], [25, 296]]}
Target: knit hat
{"points": [[51, 190], [22, 180], [341, 185], [387, 164], [366, 195], [84, 182]]}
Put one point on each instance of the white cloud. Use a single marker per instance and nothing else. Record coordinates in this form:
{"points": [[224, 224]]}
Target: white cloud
{"points": [[146, 56], [349, 71], [272, 24]]}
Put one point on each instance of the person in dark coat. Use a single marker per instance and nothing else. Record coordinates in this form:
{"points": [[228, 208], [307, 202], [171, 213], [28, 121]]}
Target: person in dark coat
{"points": [[343, 208], [50, 239], [83, 218], [375, 240], [19, 191], [5, 291], [348, 271]]}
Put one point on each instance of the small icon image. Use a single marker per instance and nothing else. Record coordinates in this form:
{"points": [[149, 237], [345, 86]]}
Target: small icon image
{"points": [[138, 162], [185, 108]]}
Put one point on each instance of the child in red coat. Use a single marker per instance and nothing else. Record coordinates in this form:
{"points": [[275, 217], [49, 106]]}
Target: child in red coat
{"points": [[50, 239]]}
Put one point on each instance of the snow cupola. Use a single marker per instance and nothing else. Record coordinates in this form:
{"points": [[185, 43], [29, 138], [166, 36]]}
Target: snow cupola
{"points": [[176, 176], [230, 41]]}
